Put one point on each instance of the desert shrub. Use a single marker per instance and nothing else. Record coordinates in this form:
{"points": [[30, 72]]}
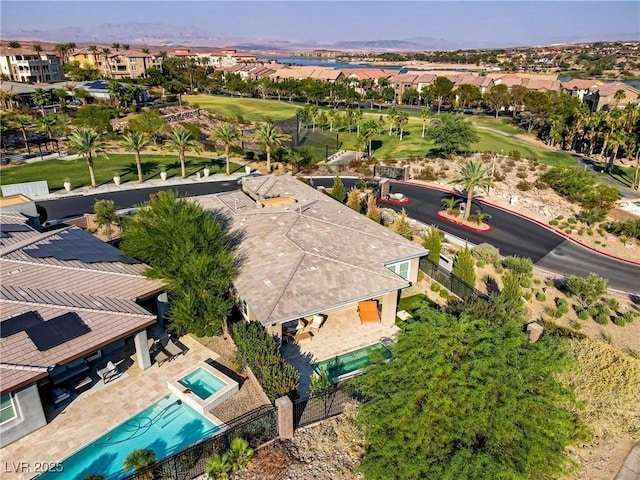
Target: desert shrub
{"points": [[521, 266], [591, 216], [572, 220], [444, 293], [540, 185], [587, 289], [481, 263], [560, 217], [571, 182], [612, 303], [562, 305], [602, 318], [435, 287], [541, 297], [627, 228], [581, 231], [553, 223], [487, 253], [619, 320], [575, 324], [515, 155], [498, 176], [583, 314], [528, 295], [427, 173], [523, 186], [606, 383], [521, 174]]}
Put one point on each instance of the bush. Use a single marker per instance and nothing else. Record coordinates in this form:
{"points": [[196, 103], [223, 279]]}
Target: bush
{"points": [[583, 314], [435, 287], [553, 223], [591, 216], [521, 266], [612, 303], [587, 289], [627, 228], [602, 318], [487, 253], [541, 297], [620, 320], [444, 293], [480, 263], [523, 186], [261, 352]]}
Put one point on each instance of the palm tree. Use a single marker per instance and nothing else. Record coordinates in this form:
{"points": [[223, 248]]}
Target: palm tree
{"points": [[473, 175], [139, 459], [38, 49], [270, 135], [87, 143], [14, 44], [135, 141], [181, 140], [22, 122], [115, 91], [402, 119], [218, 467], [40, 98], [481, 216], [425, 114], [240, 454], [227, 134], [8, 97], [47, 123], [450, 203]]}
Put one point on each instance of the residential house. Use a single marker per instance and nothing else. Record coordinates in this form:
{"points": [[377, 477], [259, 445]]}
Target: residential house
{"points": [[579, 87], [302, 253], [326, 74], [118, 64], [67, 302], [604, 97], [25, 65]]}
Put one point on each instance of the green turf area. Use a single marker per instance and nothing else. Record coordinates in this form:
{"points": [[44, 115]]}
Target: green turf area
{"points": [[624, 175], [409, 304], [252, 109], [501, 124], [56, 171]]}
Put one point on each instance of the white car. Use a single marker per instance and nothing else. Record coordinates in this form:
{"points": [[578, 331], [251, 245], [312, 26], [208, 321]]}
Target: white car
{"points": [[255, 173]]}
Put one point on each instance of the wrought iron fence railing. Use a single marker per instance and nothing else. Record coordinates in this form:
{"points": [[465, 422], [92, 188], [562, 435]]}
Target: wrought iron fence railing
{"points": [[448, 280]]}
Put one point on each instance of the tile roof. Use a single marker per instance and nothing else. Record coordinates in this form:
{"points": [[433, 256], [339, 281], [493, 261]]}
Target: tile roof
{"points": [[103, 293], [581, 84], [309, 257]]}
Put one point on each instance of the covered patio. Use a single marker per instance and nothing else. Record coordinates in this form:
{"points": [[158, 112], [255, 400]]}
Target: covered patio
{"points": [[341, 332]]}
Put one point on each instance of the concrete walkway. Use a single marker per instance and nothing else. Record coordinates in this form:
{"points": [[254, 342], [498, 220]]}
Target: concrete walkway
{"points": [[631, 468]]}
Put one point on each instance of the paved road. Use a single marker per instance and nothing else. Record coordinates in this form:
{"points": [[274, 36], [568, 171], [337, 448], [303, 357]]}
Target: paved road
{"points": [[514, 235], [511, 234]]}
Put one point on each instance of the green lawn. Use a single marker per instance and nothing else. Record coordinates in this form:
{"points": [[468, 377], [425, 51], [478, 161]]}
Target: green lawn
{"points": [[409, 304], [55, 171], [252, 109], [502, 124]]}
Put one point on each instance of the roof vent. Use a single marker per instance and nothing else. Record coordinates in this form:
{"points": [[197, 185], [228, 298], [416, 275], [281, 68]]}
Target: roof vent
{"points": [[372, 246], [306, 225], [268, 283], [313, 268], [13, 272]]}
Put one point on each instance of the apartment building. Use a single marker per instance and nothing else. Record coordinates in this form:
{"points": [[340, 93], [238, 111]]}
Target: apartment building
{"points": [[25, 65], [119, 64]]}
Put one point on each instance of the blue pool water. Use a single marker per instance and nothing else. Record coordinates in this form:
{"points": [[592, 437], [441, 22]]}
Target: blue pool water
{"points": [[165, 427], [202, 383], [353, 361]]}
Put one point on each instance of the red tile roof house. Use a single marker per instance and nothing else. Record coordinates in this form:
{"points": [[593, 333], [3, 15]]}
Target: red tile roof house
{"points": [[304, 254], [67, 300], [602, 97]]}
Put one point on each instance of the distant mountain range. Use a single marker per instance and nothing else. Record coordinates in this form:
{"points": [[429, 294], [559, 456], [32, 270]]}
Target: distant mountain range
{"points": [[137, 33]]}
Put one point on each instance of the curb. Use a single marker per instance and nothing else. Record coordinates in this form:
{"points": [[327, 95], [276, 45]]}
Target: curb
{"points": [[521, 215], [460, 224]]}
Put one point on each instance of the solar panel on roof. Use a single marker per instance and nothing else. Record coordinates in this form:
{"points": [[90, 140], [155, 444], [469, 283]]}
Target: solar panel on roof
{"points": [[4, 234], [57, 331], [14, 227], [19, 323]]}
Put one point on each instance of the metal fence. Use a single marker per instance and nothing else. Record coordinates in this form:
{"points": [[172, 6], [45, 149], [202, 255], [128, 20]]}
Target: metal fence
{"points": [[312, 409], [257, 427], [448, 280]]}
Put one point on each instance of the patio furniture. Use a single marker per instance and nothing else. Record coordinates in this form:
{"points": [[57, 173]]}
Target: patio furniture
{"points": [[80, 383], [108, 373], [316, 322], [302, 336], [157, 352], [60, 396], [175, 349], [368, 311]]}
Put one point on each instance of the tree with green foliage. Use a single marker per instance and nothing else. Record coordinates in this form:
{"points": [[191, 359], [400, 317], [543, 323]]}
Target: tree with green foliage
{"points": [[373, 212], [150, 123], [135, 142], [40, 97], [498, 97], [228, 135], [89, 144], [473, 175], [22, 122], [270, 135], [432, 241], [96, 117], [181, 140], [441, 90], [511, 294], [105, 212], [451, 133], [521, 266], [337, 190], [37, 49], [189, 250], [402, 226], [139, 459], [487, 404], [586, 289], [464, 266], [353, 200]]}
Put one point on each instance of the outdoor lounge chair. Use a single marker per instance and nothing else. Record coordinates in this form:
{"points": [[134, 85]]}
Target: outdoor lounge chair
{"points": [[368, 311], [110, 372], [60, 396], [174, 349], [316, 322], [156, 351]]}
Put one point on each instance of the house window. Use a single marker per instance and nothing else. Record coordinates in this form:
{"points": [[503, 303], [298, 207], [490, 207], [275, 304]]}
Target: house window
{"points": [[7, 408], [401, 269]]}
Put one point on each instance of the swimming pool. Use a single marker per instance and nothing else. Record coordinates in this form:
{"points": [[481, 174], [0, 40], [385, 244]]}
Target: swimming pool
{"points": [[165, 427], [348, 364], [202, 383]]}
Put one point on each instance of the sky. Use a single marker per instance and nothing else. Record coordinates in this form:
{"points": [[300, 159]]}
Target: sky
{"points": [[507, 23]]}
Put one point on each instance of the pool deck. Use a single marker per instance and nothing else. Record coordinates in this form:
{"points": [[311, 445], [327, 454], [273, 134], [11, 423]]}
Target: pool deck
{"points": [[341, 332], [94, 413]]}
